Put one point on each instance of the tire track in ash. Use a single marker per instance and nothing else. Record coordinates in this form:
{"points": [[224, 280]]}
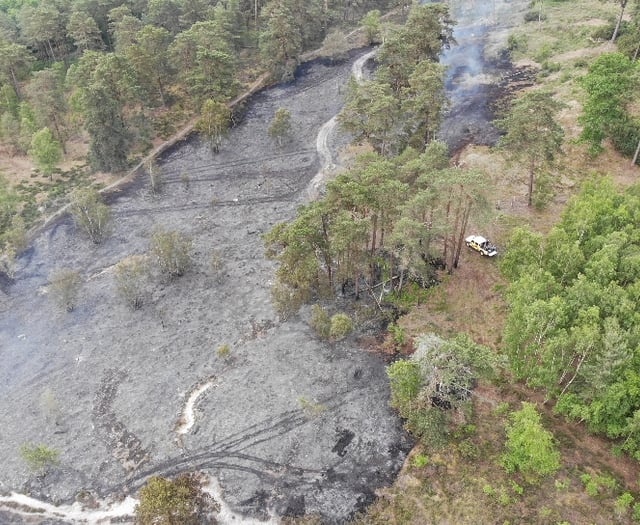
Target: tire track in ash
{"points": [[122, 443], [232, 165], [230, 453], [284, 184], [290, 92]]}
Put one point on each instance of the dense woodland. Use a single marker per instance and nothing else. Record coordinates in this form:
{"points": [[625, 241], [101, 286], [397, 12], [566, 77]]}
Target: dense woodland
{"points": [[127, 71]]}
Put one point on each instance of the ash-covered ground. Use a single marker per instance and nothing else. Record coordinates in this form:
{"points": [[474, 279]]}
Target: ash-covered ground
{"points": [[288, 424]]}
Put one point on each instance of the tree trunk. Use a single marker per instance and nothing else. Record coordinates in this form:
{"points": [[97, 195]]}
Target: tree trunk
{"points": [[623, 4], [327, 257], [637, 51], [453, 238], [463, 227], [374, 232], [53, 55], [446, 217], [16, 86], [58, 133], [635, 155], [530, 188], [161, 92]]}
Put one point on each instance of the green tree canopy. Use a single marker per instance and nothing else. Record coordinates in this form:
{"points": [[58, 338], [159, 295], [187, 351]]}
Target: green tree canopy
{"points": [[573, 321], [530, 447], [214, 122], [532, 134], [46, 151], [611, 84]]}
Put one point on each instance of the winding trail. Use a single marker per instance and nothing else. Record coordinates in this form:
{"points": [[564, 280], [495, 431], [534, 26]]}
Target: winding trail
{"points": [[188, 419], [327, 166]]}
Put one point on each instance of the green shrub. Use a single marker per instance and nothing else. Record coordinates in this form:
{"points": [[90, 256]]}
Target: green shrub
{"points": [[428, 425], [224, 351], [341, 326], [625, 134], [405, 381], [182, 500], [530, 448], [320, 321], [517, 43], [604, 32], [597, 484], [90, 213], [131, 279], [286, 300], [39, 458], [420, 460], [172, 251], [623, 503], [398, 334], [544, 54], [64, 288], [15, 237]]}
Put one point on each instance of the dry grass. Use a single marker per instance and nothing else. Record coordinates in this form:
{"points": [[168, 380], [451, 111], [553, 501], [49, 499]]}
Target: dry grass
{"points": [[465, 484]]}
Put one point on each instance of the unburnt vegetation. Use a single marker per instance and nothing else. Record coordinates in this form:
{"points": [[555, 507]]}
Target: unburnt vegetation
{"points": [[558, 323]]}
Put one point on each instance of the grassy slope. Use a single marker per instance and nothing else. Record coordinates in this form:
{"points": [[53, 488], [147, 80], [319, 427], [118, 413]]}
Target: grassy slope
{"points": [[464, 483]]}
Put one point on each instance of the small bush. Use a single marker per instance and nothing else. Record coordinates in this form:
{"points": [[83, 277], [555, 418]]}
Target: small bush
{"points": [[517, 43], [341, 326], [311, 408], [420, 460], [182, 500], [530, 448], [468, 449], [604, 32], [430, 426], [16, 235], [544, 54], [64, 288], [623, 503], [286, 300], [625, 134], [156, 180], [597, 484], [561, 484], [90, 213], [320, 321], [280, 127], [398, 334], [39, 458], [172, 252], [224, 351], [185, 178], [131, 279], [534, 16]]}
